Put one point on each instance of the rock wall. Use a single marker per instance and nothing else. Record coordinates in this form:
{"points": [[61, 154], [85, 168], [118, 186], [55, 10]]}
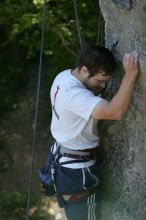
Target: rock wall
{"points": [[123, 175]]}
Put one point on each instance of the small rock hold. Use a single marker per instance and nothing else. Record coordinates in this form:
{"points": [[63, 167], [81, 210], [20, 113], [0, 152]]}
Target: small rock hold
{"points": [[144, 7], [126, 4]]}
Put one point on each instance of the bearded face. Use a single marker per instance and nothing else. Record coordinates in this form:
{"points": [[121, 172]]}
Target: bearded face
{"points": [[97, 84]]}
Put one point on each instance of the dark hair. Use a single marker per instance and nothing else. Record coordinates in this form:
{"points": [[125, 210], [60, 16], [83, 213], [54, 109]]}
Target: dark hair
{"points": [[97, 58]]}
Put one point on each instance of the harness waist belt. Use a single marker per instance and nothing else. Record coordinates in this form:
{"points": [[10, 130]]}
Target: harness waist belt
{"points": [[87, 154]]}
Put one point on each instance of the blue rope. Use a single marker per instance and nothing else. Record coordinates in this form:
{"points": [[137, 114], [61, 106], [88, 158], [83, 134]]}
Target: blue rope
{"points": [[36, 110], [78, 24]]}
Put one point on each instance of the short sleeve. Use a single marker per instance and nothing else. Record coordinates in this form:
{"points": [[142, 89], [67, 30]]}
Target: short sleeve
{"points": [[81, 101]]}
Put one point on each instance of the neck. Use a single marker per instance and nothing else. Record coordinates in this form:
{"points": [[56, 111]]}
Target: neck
{"points": [[76, 73]]}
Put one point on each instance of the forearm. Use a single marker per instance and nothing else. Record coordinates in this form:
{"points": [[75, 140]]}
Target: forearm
{"points": [[116, 108], [120, 102]]}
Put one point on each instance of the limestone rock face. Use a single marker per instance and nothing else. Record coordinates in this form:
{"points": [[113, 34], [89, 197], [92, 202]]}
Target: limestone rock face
{"points": [[123, 175]]}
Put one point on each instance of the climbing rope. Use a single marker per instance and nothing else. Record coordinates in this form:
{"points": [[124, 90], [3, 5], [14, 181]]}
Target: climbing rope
{"points": [[36, 109], [100, 29], [78, 24]]}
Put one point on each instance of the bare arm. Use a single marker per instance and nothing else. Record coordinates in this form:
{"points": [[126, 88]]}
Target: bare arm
{"points": [[116, 108]]}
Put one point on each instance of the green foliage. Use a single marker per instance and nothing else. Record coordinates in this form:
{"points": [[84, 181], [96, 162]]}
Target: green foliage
{"points": [[6, 159], [20, 27], [13, 207], [20, 24], [13, 79], [23, 21]]}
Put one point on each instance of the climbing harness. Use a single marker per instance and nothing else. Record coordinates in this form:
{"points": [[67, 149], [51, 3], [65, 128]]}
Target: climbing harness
{"points": [[88, 154], [52, 172], [36, 109]]}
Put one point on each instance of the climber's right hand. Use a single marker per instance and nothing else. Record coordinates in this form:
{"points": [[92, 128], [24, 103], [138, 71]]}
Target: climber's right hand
{"points": [[131, 64]]}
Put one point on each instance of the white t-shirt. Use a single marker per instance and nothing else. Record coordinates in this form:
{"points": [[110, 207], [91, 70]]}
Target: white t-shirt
{"points": [[72, 125]]}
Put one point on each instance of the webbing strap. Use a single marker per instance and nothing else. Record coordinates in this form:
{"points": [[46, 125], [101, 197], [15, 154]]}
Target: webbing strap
{"points": [[76, 155], [77, 196], [56, 156], [72, 161], [74, 152]]}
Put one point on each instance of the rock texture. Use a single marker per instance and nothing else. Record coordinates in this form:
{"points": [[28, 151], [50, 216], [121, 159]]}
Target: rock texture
{"points": [[123, 176]]}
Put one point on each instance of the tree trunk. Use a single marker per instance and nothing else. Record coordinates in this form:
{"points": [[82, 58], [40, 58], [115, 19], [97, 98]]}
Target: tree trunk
{"points": [[123, 175]]}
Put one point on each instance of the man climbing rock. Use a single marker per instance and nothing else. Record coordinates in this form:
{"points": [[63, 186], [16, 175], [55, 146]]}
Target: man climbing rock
{"points": [[77, 106]]}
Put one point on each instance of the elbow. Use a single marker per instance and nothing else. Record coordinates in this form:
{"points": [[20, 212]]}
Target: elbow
{"points": [[119, 116], [113, 116]]}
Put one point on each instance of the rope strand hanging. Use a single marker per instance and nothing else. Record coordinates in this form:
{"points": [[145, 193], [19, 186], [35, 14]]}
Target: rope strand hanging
{"points": [[36, 109], [78, 24], [100, 29]]}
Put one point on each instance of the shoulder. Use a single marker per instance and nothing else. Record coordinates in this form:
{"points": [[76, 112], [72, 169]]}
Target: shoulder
{"points": [[63, 74]]}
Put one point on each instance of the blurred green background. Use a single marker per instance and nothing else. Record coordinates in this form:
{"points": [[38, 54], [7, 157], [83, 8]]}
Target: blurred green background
{"points": [[20, 37]]}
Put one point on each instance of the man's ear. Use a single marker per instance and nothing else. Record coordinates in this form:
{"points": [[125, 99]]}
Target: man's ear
{"points": [[84, 71], [103, 73]]}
